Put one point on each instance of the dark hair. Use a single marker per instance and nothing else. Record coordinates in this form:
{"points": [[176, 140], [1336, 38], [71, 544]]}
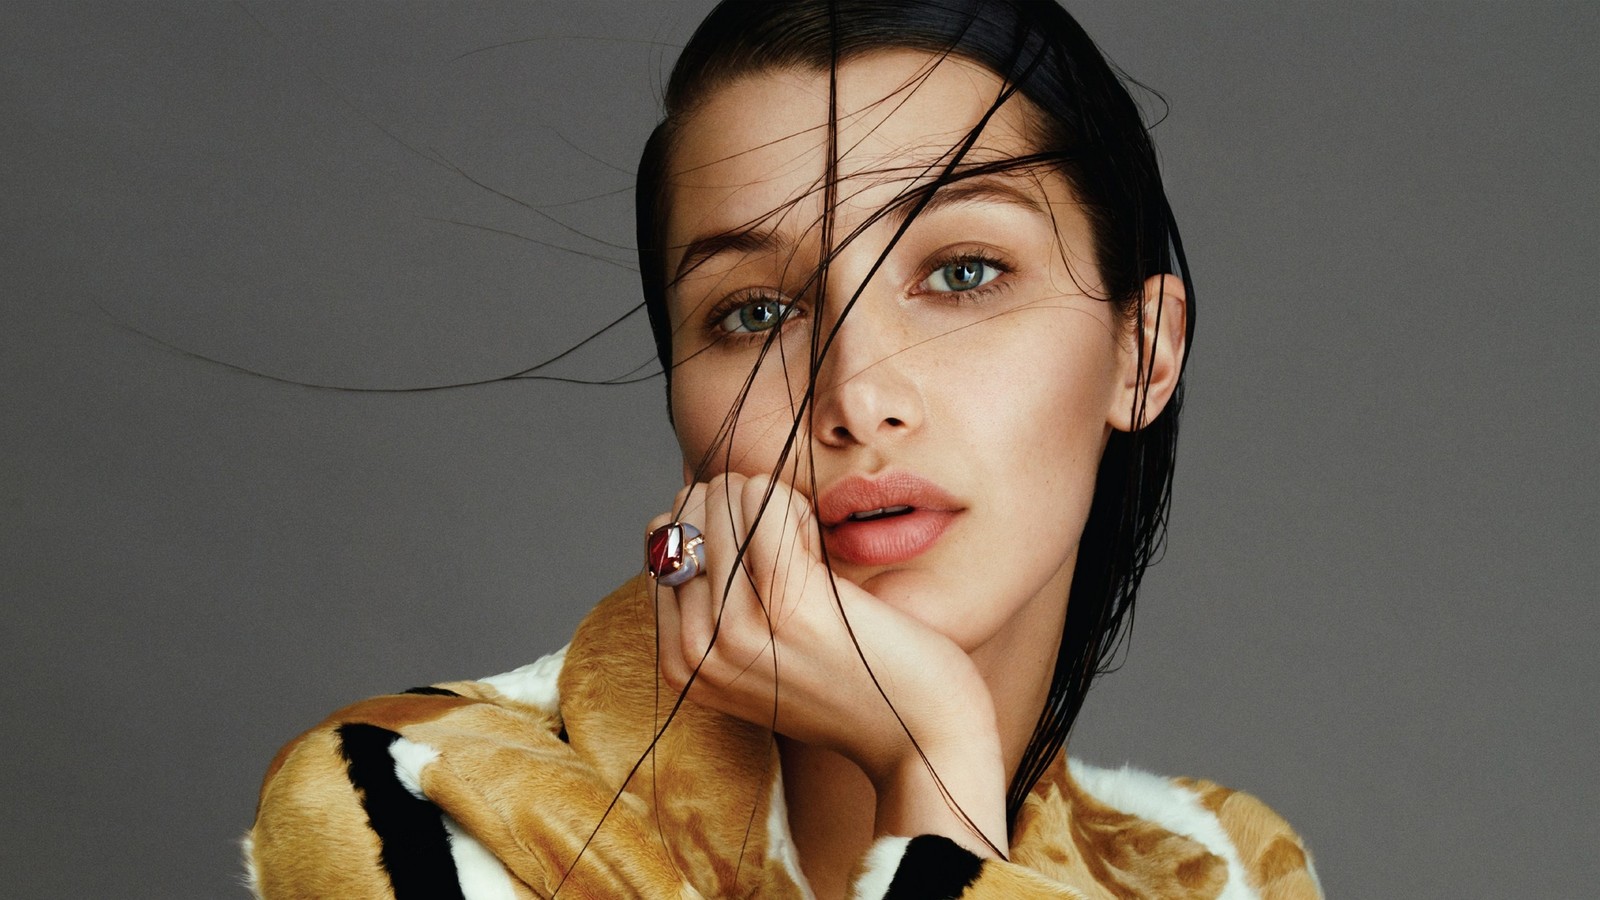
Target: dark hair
{"points": [[1092, 132]]}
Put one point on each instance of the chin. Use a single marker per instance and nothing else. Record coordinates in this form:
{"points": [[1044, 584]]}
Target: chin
{"points": [[915, 594]]}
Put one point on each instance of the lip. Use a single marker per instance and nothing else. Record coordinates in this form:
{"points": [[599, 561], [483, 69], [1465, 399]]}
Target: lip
{"points": [[890, 540]]}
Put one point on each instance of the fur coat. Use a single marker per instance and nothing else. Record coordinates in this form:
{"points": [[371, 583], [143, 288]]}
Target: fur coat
{"points": [[489, 789]]}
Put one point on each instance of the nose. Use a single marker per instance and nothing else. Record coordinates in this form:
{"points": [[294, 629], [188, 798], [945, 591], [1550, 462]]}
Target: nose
{"points": [[866, 391]]}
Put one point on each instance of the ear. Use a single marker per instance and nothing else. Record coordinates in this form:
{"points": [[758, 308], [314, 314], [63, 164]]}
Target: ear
{"points": [[1165, 307]]}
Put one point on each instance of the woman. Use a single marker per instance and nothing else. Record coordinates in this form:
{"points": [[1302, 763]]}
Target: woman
{"points": [[921, 305]]}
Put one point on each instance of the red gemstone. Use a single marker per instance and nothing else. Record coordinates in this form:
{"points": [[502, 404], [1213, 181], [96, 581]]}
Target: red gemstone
{"points": [[664, 550]]}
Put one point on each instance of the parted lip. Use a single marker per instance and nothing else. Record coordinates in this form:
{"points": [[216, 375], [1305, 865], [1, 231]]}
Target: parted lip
{"points": [[859, 493]]}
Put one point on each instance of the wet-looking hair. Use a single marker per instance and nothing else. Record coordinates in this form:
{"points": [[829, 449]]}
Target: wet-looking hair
{"points": [[1089, 129]]}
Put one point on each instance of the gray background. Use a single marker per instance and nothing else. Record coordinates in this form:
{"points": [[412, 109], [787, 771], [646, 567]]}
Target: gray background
{"points": [[1377, 609]]}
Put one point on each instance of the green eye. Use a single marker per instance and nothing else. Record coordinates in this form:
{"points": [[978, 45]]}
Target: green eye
{"points": [[756, 316], [962, 275]]}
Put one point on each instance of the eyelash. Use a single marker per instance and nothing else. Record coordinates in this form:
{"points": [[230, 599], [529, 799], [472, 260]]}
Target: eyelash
{"points": [[985, 257], [734, 303]]}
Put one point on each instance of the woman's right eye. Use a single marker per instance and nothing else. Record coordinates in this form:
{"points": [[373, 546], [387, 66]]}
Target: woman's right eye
{"points": [[758, 315]]}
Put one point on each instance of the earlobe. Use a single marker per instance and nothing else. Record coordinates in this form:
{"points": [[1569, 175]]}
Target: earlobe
{"points": [[1161, 334]]}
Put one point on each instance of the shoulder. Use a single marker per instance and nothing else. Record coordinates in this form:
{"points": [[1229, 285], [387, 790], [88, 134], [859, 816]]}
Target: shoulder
{"points": [[1257, 845], [1274, 856], [343, 811], [491, 782], [1088, 832]]}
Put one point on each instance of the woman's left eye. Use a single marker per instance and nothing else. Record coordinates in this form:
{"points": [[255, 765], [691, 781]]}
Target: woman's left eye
{"points": [[963, 274]]}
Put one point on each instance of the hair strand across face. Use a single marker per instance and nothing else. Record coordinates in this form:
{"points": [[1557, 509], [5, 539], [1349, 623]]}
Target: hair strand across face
{"points": [[1088, 129]]}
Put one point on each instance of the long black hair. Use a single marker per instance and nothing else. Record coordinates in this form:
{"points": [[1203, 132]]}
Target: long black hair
{"points": [[1091, 130]]}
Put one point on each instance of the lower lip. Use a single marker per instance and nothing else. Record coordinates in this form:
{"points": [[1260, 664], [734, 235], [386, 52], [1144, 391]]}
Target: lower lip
{"points": [[886, 541]]}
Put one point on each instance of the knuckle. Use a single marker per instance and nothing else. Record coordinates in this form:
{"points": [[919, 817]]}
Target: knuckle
{"points": [[709, 492], [692, 645], [801, 508], [672, 671], [690, 504], [743, 644]]}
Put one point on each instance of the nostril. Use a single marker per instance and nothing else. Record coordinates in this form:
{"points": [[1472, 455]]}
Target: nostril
{"points": [[892, 422]]}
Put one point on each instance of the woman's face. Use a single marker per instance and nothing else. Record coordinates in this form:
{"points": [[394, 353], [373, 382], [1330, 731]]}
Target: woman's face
{"points": [[962, 406]]}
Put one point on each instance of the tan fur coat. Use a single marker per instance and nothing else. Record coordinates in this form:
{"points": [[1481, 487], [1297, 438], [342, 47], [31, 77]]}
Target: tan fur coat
{"points": [[489, 789]]}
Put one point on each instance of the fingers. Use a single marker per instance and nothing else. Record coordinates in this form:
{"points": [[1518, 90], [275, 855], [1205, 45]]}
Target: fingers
{"points": [[783, 550], [669, 638], [676, 660], [723, 622], [689, 614]]}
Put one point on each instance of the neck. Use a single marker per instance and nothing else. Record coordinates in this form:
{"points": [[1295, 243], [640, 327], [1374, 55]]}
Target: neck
{"points": [[832, 803]]}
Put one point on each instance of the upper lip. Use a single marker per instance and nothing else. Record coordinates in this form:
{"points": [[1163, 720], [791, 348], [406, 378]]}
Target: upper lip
{"points": [[858, 493]]}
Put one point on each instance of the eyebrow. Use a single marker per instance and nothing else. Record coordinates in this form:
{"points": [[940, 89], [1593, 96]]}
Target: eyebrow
{"points": [[982, 189], [746, 240]]}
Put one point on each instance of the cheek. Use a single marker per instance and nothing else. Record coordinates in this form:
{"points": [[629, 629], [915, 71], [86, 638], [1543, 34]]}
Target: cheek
{"points": [[1038, 395], [699, 413], [688, 421], [705, 391]]}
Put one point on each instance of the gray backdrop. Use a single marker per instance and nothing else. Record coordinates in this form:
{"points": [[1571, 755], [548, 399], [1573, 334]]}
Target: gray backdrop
{"points": [[1377, 608]]}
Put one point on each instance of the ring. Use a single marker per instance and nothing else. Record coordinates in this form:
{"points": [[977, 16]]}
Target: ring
{"points": [[675, 553]]}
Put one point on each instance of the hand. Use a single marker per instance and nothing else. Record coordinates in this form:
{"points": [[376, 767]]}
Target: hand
{"points": [[772, 647]]}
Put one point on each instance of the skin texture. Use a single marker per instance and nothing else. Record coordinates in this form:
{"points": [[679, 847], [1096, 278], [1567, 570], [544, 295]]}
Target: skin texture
{"points": [[1002, 396]]}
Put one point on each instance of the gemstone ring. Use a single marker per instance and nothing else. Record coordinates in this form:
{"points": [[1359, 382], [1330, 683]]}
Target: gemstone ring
{"points": [[675, 553]]}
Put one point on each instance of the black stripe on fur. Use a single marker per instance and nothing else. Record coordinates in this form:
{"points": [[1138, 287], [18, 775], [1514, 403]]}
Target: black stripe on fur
{"points": [[432, 691], [933, 868], [415, 847]]}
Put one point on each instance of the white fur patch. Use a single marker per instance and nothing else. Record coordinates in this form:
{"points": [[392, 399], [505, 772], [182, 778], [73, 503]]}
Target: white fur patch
{"points": [[1171, 806], [482, 875], [410, 758], [882, 860], [1312, 871], [534, 683], [780, 844], [252, 880]]}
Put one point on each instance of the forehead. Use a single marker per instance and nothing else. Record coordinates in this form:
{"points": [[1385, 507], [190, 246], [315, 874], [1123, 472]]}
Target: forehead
{"points": [[757, 146]]}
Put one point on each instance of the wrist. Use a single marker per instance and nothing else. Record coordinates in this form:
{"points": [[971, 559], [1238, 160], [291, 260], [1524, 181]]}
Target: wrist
{"points": [[958, 793]]}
